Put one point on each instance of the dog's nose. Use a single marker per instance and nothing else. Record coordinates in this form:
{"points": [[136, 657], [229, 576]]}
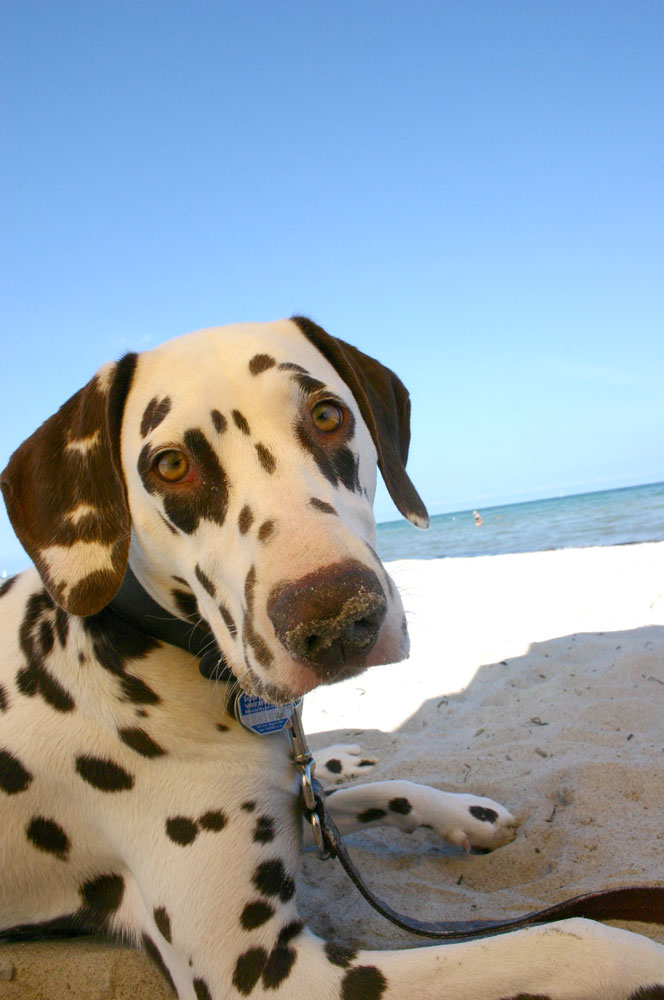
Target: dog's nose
{"points": [[330, 619]]}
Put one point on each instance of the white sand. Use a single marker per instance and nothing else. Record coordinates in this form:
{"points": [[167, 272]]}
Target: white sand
{"points": [[536, 679]]}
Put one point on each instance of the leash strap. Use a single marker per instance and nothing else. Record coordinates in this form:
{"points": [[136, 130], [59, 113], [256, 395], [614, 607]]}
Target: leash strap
{"points": [[639, 902]]}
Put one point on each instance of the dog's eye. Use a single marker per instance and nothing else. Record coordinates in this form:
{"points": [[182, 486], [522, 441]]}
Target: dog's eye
{"points": [[172, 466], [327, 416]]}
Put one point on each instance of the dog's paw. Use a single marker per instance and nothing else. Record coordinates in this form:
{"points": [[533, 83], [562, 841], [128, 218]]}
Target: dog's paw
{"points": [[478, 823], [342, 761]]}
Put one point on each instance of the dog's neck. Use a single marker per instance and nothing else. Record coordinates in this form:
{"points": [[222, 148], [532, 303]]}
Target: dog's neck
{"points": [[133, 603]]}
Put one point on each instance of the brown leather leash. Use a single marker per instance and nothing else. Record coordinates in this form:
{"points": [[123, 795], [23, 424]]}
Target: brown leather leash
{"points": [[639, 902]]}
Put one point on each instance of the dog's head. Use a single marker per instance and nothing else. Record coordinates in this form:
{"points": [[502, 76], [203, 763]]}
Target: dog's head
{"points": [[235, 468]]}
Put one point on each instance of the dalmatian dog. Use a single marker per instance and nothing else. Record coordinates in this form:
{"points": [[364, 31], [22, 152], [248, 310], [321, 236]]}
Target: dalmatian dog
{"points": [[231, 472]]}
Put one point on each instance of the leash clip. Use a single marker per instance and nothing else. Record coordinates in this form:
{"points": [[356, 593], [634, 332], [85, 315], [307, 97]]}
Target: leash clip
{"points": [[310, 788]]}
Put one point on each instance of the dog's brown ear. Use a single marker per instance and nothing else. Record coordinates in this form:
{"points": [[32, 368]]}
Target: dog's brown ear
{"points": [[66, 496], [385, 406]]}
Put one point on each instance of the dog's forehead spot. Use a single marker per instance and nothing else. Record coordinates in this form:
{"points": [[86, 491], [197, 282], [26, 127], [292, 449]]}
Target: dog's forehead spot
{"points": [[260, 363], [219, 421], [153, 414]]}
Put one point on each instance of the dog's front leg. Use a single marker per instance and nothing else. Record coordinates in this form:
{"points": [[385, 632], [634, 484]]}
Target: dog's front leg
{"points": [[460, 819]]}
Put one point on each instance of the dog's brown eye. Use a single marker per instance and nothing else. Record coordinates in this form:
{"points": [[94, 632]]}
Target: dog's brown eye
{"points": [[172, 466], [327, 417]]}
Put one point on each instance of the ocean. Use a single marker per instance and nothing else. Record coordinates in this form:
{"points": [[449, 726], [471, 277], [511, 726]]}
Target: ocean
{"points": [[609, 517]]}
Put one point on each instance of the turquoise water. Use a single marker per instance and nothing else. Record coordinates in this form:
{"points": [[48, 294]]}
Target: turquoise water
{"points": [[611, 517]]}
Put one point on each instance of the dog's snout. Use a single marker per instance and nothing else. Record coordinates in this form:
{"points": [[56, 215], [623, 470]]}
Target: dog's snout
{"points": [[329, 620]]}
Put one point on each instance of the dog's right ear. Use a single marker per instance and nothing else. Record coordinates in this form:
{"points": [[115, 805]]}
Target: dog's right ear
{"points": [[66, 496]]}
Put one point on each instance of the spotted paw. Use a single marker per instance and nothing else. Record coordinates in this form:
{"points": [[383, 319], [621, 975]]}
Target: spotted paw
{"points": [[340, 762], [478, 823]]}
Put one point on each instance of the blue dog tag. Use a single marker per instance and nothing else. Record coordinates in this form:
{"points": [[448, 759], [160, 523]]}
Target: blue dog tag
{"points": [[260, 716]]}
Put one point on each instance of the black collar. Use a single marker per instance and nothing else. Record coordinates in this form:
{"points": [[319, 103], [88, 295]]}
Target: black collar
{"points": [[135, 605]]}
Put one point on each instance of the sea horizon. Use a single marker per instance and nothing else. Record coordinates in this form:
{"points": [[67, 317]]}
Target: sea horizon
{"points": [[619, 516]]}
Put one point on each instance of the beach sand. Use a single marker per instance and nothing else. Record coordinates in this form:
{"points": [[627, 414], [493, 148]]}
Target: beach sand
{"points": [[536, 679]]}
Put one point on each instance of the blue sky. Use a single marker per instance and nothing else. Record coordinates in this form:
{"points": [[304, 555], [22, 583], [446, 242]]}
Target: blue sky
{"points": [[471, 191]]}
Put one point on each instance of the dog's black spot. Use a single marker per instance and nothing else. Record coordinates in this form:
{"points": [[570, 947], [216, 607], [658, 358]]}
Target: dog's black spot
{"points": [[278, 966], [289, 932], [163, 922], [264, 831], [325, 508], [248, 806], [35, 679], [154, 413], [48, 836], [266, 531], [370, 815], [534, 996], [260, 363], [266, 458], [339, 955], [154, 953], [219, 421], [139, 741], [61, 626], [214, 820], [270, 879], [186, 605], [256, 913], [101, 898], [245, 520], [483, 814], [205, 581], [201, 990], [181, 830], [248, 970], [7, 585], [36, 638], [400, 805], [228, 620], [14, 777], [333, 766], [260, 648], [222, 727], [46, 637], [249, 588], [104, 774], [653, 992], [4, 699], [241, 422], [137, 691], [364, 981], [181, 579]]}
